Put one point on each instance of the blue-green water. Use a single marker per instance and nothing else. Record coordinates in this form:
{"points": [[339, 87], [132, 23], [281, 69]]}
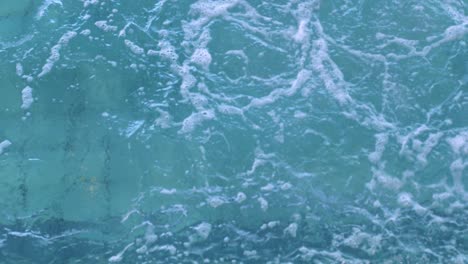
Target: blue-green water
{"points": [[237, 131]]}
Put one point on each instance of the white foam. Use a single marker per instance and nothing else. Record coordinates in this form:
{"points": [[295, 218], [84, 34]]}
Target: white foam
{"points": [[286, 186], [230, 110], [250, 253], [384, 180], [368, 243], [28, 234], [459, 143], [167, 51], [240, 197], [164, 120], [67, 37], [407, 43], [291, 230], [151, 52], [203, 230], [439, 197], [102, 24], [405, 199], [134, 47], [459, 259], [55, 52], [268, 188], [133, 128], [215, 201], [302, 33], [128, 214], [420, 210], [307, 253], [142, 249], [456, 168], [403, 140], [206, 10], [19, 69], [169, 248], [328, 71], [90, 2], [85, 32], [452, 33], [210, 8], [263, 203], [168, 191], [301, 78], [455, 32], [27, 98], [279, 135], [123, 31], [4, 145], [271, 224], [239, 53], [381, 141], [376, 204], [199, 101], [201, 57], [150, 236], [119, 256], [427, 147], [188, 81], [299, 114], [45, 5], [189, 123]]}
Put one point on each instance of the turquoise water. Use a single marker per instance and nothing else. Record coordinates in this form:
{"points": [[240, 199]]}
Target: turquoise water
{"points": [[237, 131]]}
